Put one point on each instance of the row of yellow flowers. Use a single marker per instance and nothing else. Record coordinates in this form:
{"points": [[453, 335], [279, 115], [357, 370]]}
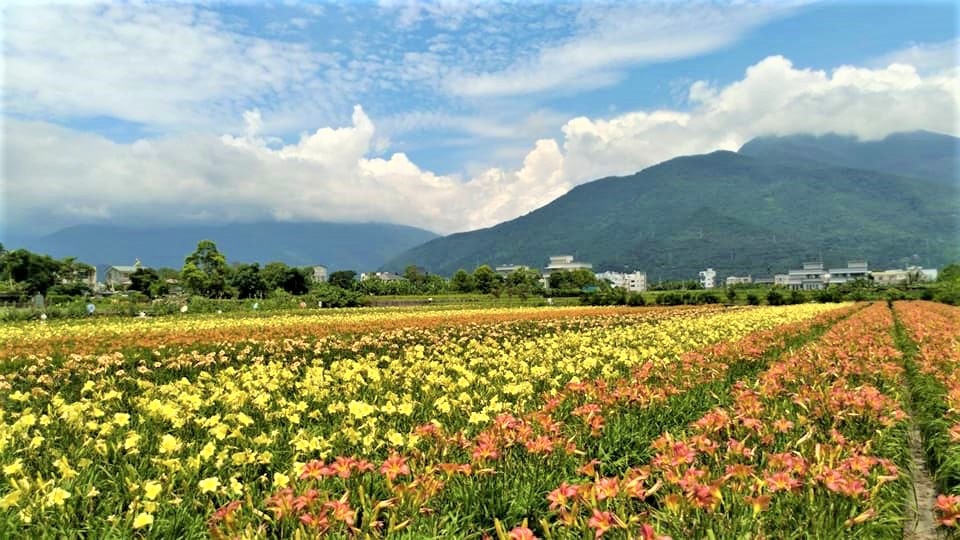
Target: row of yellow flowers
{"points": [[115, 333]]}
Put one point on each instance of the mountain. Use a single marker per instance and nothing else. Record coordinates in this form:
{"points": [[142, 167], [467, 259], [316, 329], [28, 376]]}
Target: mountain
{"points": [[735, 212], [359, 247], [921, 154]]}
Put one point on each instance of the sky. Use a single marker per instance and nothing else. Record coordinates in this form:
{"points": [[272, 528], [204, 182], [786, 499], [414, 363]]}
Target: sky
{"points": [[446, 115]]}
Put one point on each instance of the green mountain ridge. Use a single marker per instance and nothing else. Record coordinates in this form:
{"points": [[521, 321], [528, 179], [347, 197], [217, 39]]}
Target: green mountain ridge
{"points": [[358, 246], [758, 214]]}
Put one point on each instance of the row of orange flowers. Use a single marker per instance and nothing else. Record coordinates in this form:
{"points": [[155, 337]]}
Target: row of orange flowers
{"points": [[802, 438], [935, 329]]}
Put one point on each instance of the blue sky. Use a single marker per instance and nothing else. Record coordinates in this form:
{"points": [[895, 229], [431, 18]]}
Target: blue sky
{"points": [[486, 108]]}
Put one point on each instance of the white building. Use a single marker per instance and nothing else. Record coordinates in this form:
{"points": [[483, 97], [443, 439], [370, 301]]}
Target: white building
{"points": [[565, 262], [890, 277], [853, 271], [507, 269], [738, 280], [633, 281], [708, 278], [320, 273], [814, 277], [119, 276], [809, 278], [781, 280], [897, 276], [383, 276]]}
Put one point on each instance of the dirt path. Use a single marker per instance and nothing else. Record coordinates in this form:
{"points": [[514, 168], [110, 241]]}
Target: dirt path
{"points": [[920, 523]]}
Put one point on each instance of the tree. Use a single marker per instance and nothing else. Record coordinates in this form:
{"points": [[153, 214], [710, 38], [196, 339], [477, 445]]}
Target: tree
{"points": [[297, 281], [572, 280], [731, 294], [486, 279], [143, 280], [345, 279], [274, 274], [774, 298], [949, 273], [415, 275], [524, 282], [37, 273], [248, 282], [205, 271], [462, 282], [278, 275]]}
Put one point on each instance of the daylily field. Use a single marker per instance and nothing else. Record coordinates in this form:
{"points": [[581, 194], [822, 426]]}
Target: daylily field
{"points": [[694, 422]]}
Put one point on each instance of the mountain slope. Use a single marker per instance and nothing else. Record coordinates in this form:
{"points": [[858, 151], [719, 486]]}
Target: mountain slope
{"points": [[921, 154], [735, 213], [336, 245]]}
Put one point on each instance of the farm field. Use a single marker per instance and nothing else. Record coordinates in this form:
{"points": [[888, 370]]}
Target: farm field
{"points": [[688, 422]]}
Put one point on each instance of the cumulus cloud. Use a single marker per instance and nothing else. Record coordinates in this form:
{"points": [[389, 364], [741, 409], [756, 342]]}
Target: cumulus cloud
{"points": [[925, 57], [54, 175]]}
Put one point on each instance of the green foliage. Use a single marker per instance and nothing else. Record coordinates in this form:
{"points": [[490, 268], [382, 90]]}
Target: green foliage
{"points": [[36, 272], [143, 280], [949, 274], [248, 281], [345, 279], [205, 271], [775, 298], [462, 282], [572, 280], [333, 296], [675, 285], [486, 279]]}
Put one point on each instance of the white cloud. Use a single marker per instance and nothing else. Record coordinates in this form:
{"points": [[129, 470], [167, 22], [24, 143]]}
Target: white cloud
{"points": [[925, 57], [157, 64], [773, 98], [55, 176], [614, 37]]}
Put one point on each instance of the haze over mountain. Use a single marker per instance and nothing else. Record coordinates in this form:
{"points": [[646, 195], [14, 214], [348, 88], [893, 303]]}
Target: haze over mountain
{"points": [[923, 154], [362, 246], [778, 202]]}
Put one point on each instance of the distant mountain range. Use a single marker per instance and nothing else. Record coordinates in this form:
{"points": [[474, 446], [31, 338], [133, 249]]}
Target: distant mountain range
{"points": [[777, 202], [338, 246]]}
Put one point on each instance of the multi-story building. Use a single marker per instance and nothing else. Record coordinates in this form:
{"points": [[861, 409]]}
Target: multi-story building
{"points": [[813, 276], [565, 262], [739, 280], [319, 273], [890, 277], [633, 281], [119, 276], [809, 278], [708, 278], [507, 269], [912, 274], [853, 271], [781, 280]]}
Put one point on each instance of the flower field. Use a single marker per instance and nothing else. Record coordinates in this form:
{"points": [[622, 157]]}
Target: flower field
{"points": [[556, 423]]}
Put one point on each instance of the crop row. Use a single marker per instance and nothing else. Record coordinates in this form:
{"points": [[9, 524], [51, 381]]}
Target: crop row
{"points": [[153, 440], [933, 365], [113, 334], [454, 484], [812, 447]]}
